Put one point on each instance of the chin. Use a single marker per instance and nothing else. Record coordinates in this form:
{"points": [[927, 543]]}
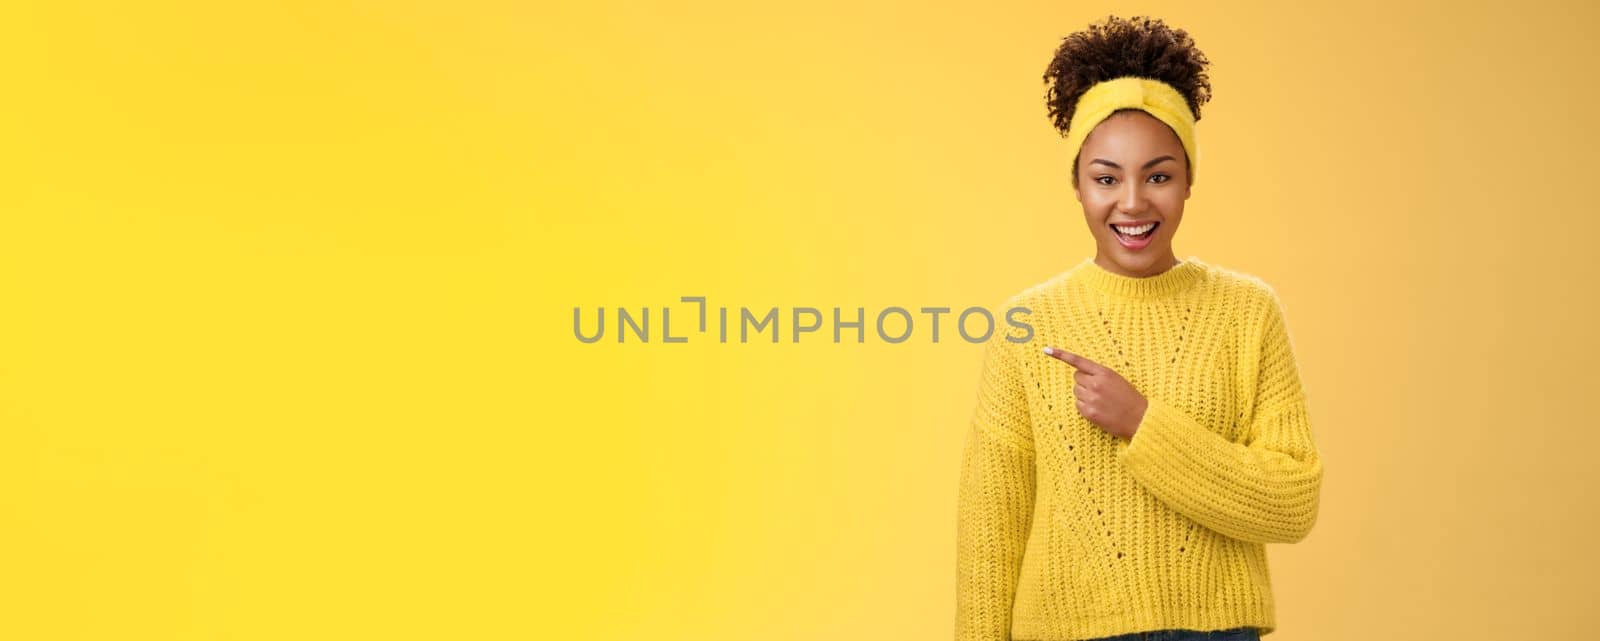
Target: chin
{"points": [[1135, 260]]}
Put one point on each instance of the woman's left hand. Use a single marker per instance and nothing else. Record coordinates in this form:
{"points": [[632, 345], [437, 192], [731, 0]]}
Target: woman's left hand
{"points": [[1107, 399]]}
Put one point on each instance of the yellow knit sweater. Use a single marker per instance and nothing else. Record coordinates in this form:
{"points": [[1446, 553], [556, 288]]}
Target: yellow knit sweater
{"points": [[1066, 532]]}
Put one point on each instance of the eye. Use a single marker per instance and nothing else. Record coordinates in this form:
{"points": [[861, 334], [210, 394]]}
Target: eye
{"points": [[1102, 179], [1163, 177]]}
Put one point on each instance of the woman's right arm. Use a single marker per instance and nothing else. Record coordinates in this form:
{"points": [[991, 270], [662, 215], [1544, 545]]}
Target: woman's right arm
{"points": [[1266, 489], [996, 498]]}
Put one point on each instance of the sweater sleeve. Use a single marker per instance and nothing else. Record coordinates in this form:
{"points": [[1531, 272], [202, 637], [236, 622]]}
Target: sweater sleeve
{"points": [[996, 499], [1265, 490]]}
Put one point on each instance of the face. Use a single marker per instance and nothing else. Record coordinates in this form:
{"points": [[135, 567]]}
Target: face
{"points": [[1132, 171]]}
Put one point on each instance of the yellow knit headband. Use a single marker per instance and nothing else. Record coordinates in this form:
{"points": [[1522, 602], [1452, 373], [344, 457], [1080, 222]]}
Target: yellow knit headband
{"points": [[1152, 96]]}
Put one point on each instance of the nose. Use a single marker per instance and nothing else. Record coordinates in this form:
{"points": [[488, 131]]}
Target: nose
{"points": [[1131, 200]]}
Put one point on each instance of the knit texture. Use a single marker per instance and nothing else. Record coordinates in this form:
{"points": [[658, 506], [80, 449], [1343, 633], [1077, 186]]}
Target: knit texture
{"points": [[1066, 532]]}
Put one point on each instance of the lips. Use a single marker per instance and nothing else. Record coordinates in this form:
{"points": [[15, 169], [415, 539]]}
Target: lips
{"points": [[1136, 242]]}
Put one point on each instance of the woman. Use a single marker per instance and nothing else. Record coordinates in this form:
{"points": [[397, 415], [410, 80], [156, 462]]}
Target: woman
{"points": [[1125, 468]]}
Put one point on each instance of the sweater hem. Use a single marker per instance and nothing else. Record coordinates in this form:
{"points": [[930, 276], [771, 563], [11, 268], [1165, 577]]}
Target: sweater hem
{"points": [[1119, 624]]}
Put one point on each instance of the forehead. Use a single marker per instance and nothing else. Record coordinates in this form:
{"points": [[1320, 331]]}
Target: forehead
{"points": [[1132, 132]]}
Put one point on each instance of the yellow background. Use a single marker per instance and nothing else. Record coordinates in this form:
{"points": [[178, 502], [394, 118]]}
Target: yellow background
{"points": [[286, 349]]}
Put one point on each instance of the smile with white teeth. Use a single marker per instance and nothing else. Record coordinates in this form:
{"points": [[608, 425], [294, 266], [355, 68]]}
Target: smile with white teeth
{"points": [[1135, 232]]}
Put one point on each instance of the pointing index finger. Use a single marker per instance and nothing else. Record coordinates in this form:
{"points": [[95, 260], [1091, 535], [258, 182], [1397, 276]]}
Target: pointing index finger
{"points": [[1083, 364]]}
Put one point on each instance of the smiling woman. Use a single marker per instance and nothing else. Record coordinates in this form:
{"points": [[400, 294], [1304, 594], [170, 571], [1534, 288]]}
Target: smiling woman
{"points": [[1122, 481]]}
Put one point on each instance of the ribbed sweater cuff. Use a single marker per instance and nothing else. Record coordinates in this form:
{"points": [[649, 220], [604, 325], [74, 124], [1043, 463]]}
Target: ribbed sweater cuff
{"points": [[1167, 434]]}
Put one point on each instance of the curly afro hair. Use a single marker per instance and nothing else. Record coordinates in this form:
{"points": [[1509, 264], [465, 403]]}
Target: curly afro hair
{"points": [[1141, 46]]}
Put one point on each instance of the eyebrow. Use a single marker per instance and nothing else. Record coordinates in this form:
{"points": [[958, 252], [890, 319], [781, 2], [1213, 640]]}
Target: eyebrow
{"points": [[1113, 165]]}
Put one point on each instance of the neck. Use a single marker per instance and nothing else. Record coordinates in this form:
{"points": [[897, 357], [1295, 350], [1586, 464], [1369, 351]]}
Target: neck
{"points": [[1163, 264]]}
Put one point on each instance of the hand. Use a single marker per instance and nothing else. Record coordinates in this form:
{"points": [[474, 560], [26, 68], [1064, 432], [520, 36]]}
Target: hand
{"points": [[1107, 399]]}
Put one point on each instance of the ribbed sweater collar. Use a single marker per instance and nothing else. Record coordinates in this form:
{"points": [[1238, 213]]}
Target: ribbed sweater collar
{"points": [[1175, 280]]}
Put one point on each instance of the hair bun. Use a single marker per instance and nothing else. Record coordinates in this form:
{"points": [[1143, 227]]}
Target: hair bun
{"points": [[1116, 47]]}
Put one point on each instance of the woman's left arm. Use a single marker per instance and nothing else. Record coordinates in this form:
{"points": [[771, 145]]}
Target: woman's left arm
{"points": [[1266, 490]]}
